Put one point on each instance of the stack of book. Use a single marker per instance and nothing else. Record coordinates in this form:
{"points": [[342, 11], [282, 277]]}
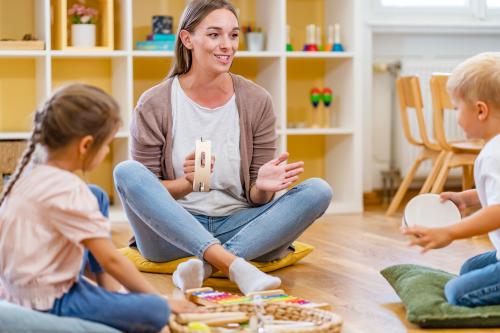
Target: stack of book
{"points": [[157, 42]]}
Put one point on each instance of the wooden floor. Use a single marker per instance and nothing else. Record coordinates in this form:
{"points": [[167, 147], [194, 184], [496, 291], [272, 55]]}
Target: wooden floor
{"points": [[344, 270]]}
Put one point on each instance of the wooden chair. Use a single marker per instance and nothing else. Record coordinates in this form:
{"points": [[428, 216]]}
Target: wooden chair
{"points": [[458, 154], [410, 97]]}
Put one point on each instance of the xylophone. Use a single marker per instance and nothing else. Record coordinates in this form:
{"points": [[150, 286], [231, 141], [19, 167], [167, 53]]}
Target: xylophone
{"points": [[209, 297]]}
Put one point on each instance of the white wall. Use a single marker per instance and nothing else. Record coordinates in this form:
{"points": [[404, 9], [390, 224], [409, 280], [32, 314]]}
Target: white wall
{"points": [[390, 46]]}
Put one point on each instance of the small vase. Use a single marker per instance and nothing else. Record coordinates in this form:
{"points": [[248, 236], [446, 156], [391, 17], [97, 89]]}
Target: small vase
{"points": [[255, 41], [83, 35]]}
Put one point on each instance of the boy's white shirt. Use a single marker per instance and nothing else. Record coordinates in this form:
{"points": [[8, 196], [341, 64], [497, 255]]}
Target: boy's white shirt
{"points": [[487, 179]]}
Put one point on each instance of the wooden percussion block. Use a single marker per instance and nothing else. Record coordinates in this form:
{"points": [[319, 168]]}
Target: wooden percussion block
{"points": [[202, 166]]}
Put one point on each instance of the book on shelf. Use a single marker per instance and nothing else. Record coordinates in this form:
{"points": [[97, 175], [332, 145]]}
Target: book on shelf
{"points": [[162, 37], [155, 45]]}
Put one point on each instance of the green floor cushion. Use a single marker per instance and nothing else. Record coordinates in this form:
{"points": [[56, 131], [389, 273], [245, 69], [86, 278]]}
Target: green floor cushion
{"points": [[422, 291], [144, 265]]}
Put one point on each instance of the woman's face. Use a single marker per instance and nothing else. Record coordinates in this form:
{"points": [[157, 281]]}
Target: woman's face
{"points": [[215, 41]]}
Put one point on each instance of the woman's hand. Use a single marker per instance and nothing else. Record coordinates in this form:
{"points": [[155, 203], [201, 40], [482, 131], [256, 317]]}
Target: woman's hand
{"points": [[456, 197], [275, 176], [429, 238], [188, 166]]}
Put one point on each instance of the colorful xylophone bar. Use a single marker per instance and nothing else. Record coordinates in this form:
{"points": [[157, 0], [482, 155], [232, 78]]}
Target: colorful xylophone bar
{"points": [[210, 297]]}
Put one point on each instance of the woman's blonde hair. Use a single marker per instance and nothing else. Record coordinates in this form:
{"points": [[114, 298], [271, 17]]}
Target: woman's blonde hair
{"points": [[73, 112], [193, 14], [477, 79]]}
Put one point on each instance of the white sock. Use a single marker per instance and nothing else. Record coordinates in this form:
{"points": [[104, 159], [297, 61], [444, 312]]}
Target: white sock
{"points": [[191, 274], [249, 278]]}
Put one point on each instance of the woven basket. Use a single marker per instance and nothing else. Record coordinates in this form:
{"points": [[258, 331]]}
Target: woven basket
{"points": [[326, 322], [10, 152]]}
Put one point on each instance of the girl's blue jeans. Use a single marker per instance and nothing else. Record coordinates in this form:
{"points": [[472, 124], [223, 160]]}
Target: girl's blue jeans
{"points": [[478, 283], [165, 231], [134, 312]]}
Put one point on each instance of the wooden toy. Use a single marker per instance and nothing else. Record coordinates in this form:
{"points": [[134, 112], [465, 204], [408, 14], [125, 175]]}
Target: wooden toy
{"points": [[329, 38], [327, 97], [315, 98], [337, 45], [202, 166], [310, 44], [318, 38], [214, 318], [210, 298]]}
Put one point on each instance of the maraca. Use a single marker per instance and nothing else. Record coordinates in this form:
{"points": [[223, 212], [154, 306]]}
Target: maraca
{"points": [[327, 96], [315, 98]]}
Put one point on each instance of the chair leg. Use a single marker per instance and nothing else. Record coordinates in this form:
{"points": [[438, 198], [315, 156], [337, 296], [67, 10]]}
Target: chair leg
{"points": [[443, 174], [434, 173], [396, 201], [467, 177]]}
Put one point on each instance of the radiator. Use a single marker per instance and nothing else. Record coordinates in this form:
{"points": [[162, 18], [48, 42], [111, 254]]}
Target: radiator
{"points": [[406, 153]]}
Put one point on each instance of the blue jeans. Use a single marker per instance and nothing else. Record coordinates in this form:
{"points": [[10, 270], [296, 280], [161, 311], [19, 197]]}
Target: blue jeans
{"points": [[134, 312], [165, 231], [103, 201], [478, 283]]}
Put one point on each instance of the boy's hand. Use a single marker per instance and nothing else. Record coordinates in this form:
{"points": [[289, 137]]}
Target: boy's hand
{"points": [[428, 238], [182, 306], [456, 197]]}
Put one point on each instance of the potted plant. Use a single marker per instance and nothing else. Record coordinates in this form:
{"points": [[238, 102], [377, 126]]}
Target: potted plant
{"points": [[83, 29]]}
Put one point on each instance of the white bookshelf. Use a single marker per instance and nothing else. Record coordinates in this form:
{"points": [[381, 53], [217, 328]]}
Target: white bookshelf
{"points": [[89, 54], [318, 131], [319, 55], [125, 73], [22, 54]]}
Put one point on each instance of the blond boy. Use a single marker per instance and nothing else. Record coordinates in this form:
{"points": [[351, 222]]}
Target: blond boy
{"points": [[474, 87]]}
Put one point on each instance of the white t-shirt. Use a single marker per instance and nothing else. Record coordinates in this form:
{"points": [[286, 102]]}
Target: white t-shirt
{"points": [[487, 178], [190, 122]]}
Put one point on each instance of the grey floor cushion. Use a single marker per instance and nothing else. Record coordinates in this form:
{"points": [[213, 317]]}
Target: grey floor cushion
{"points": [[16, 319]]}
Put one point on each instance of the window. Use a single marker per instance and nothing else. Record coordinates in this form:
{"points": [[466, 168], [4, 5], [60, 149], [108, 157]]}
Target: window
{"points": [[425, 12], [428, 3], [493, 3]]}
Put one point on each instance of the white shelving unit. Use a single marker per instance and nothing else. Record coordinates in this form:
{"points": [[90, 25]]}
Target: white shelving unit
{"points": [[126, 73]]}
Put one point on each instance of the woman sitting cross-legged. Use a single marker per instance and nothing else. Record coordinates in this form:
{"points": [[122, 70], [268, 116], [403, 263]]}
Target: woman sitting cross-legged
{"points": [[237, 220]]}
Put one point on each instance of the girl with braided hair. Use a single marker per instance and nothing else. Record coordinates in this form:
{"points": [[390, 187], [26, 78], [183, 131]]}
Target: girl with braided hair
{"points": [[49, 217]]}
